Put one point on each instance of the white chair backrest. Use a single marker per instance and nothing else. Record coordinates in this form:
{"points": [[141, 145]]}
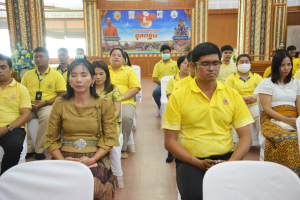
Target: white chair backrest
{"points": [[49, 180], [137, 70], [120, 118], [249, 180], [298, 129], [163, 82]]}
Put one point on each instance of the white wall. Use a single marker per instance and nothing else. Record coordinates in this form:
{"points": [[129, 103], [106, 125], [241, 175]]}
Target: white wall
{"points": [[223, 4], [232, 4]]}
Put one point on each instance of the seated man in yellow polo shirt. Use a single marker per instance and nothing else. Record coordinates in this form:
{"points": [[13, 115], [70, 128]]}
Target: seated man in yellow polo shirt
{"points": [[296, 61], [227, 67], [165, 67], [44, 85], [244, 81], [198, 119], [15, 109], [185, 81], [63, 57]]}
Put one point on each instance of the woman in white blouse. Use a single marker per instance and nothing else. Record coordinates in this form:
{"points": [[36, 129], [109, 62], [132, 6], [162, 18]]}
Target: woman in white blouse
{"points": [[280, 98]]}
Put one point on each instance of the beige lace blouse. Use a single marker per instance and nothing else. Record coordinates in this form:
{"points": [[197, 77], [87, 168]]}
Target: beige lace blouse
{"points": [[82, 123]]}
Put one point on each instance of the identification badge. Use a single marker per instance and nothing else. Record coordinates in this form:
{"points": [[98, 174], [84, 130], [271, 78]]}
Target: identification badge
{"points": [[38, 96]]}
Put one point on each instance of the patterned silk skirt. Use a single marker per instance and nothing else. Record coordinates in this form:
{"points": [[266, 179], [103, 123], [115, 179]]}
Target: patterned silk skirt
{"points": [[104, 180], [281, 145]]}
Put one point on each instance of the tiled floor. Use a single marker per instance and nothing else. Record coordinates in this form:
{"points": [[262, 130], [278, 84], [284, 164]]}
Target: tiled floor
{"points": [[146, 174]]}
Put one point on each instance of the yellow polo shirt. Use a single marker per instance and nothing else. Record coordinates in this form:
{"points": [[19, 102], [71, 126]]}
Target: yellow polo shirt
{"points": [[125, 78], [171, 83], [13, 97], [203, 124], [296, 64], [183, 82], [63, 73], [244, 88], [226, 71], [161, 69], [50, 83]]}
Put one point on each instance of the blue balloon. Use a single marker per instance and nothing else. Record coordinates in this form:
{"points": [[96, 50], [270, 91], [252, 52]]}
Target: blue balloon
{"points": [[17, 56], [19, 47], [30, 67], [23, 52], [14, 64]]}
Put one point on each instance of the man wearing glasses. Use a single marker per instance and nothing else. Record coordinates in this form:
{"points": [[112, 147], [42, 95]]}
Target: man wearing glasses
{"points": [[227, 67], [44, 86], [198, 119]]}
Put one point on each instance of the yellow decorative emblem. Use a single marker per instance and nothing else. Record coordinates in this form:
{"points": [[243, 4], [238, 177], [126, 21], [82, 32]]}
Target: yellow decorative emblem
{"points": [[117, 15], [49, 86], [13, 98], [225, 101]]}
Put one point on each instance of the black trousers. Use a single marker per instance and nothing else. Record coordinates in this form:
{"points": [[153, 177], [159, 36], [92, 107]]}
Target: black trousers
{"points": [[12, 144], [189, 178]]}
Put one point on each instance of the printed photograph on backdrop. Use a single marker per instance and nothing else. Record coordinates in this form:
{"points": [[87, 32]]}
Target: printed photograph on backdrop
{"points": [[144, 31]]}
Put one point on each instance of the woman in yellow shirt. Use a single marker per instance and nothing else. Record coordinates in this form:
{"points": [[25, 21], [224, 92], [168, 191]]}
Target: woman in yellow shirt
{"points": [[183, 66], [127, 81], [89, 128], [244, 81]]}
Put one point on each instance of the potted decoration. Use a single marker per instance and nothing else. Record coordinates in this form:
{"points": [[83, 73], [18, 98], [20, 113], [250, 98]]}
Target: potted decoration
{"points": [[21, 61]]}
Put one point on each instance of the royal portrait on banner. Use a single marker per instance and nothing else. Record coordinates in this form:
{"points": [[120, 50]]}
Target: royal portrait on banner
{"points": [[144, 31]]}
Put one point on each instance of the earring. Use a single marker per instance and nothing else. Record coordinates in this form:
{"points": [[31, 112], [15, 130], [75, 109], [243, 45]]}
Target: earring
{"points": [[92, 85]]}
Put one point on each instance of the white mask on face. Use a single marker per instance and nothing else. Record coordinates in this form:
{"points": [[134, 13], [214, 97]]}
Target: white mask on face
{"points": [[243, 68]]}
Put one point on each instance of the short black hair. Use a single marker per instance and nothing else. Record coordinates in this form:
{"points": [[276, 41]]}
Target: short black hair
{"points": [[291, 47], [188, 57], [280, 50], [7, 59], [226, 48], [243, 55], [164, 47], [180, 60], [204, 49], [41, 49], [117, 48], [90, 68], [64, 50], [276, 63], [80, 49]]}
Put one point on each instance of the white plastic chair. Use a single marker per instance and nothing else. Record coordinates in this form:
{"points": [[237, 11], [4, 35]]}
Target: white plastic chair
{"points": [[298, 129], [249, 180], [255, 139], [137, 70], [261, 138], [163, 99], [51, 180], [32, 128], [23, 153], [116, 166]]}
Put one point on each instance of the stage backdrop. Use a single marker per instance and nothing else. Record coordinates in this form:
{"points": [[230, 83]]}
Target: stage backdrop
{"points": [[137, 31]]}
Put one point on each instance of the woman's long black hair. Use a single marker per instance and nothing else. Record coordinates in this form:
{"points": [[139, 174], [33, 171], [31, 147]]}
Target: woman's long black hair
{"points": [[276, 64], [108, 87], [90, 68]]}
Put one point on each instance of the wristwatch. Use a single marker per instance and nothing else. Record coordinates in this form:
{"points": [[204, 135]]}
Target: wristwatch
{"points": [[47, 103], [9, 128]]}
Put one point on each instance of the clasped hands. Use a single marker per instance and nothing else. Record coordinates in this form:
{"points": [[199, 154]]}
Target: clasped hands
{"points": [[250, 100], [37, 104], [206, 164], [84, 160]]}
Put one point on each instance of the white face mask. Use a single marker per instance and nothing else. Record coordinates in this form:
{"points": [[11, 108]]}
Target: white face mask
{"points": [[243, 68]]}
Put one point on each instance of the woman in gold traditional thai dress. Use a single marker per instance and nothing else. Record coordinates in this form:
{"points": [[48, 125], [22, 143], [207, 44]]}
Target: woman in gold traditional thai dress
{"points": [[89, 128]]}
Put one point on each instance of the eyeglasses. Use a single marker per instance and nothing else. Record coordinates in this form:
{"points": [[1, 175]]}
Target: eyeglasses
{"points": [[208, 64]]}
